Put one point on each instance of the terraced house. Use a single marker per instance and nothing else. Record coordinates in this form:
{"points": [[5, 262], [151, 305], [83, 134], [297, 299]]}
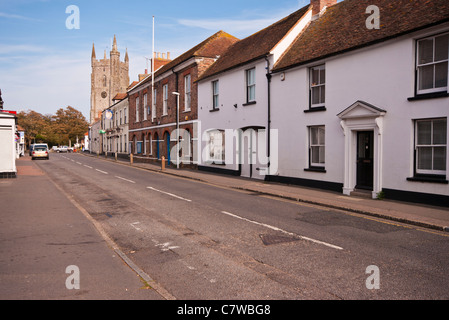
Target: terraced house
{"points": [[154, 115], [358, 100]]}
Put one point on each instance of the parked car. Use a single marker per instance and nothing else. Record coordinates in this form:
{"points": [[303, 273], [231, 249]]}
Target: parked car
{"points": [[40, 151], [62, 149]]}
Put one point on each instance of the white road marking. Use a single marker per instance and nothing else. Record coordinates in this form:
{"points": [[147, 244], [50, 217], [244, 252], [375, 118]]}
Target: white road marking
{"points": [[78, 162], [170, 194], [88, 166], [283, 231], [166, 246], [101, 171], [125, 179], [133, 225]]}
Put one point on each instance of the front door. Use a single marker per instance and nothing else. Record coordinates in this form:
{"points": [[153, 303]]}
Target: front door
{"points": [[365, 156]]}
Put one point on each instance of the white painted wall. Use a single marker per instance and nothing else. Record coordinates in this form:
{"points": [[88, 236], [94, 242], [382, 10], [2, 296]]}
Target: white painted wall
{"points": [[382, 75]]}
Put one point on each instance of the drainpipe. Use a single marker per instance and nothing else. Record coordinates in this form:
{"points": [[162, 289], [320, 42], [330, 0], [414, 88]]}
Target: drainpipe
{"points": [[268, 75]]}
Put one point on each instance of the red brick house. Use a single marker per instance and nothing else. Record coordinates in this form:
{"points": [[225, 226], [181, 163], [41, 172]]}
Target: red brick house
{"points": [[153, 115]]}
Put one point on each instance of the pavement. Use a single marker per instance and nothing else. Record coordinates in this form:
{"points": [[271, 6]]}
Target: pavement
{"points": [[421, 215], [47, 241]]}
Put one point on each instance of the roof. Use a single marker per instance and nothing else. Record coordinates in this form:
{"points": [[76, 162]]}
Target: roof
{"points": [[255, 46], [120, 96], [343, 27], [212, 47]]}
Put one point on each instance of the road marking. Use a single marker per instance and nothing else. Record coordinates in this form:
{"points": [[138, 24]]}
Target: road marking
{"points": [[78, 162], [166, 246], [101, 171], [88, 166], [170, 194], [133, 225], [283, 231], [124, 179]]}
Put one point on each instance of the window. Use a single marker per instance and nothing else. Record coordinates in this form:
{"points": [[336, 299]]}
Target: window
{"points": [[317, 86], [187, 92], [105, 82], [215, 94], [145, 106], [432, 64], [137, 109], [124, 115], [216, 146], [251, 85], [165, 100], [431, 146], [121, 117], [153, 112], [317, 146]]}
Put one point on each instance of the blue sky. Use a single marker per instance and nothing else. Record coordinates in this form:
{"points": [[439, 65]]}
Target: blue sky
{"points": [[45, 66]]}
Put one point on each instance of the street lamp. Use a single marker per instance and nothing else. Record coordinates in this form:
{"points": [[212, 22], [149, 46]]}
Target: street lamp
{"points": [[177, 128]]}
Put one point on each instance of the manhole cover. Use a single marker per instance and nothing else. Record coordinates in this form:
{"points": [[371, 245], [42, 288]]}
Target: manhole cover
{"points": [[270, 239]]}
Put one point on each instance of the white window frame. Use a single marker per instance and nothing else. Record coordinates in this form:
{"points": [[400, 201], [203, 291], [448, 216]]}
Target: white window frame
{"points": [[145, 106], [153, 111], [320, 84], [431, 145], [165, 100], [215, 94], [137, 109], [187, 92], [250, 85], [320, 144], [216, 146], [419, 66]]}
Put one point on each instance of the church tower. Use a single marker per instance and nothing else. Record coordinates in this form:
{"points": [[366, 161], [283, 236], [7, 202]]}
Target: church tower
{"points": [[109, 77]]}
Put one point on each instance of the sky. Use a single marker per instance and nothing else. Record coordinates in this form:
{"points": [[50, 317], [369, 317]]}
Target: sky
{"points": [[45, 58]]}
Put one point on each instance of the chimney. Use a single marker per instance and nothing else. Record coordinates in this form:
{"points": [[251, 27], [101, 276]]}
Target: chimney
{"points": [[318, 5], [168, 55], [163, 55]]}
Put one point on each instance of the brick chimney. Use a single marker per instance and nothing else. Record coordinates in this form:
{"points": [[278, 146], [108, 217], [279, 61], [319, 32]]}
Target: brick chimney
{"points": [[318, 5]]}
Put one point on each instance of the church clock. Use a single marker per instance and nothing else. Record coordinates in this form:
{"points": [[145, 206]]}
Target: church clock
{"points": [[104, 94]]}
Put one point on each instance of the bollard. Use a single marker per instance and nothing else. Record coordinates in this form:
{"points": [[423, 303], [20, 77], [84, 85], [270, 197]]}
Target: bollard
{"points": [[163, 163], [131, 160], [116, 156]]}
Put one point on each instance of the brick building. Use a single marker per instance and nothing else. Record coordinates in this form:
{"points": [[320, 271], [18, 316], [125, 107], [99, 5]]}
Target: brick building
{"points": [[153, 113]]}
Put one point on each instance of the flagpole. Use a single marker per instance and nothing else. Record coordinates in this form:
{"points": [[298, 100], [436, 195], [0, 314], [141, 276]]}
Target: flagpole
{"points": [[152, 76]]}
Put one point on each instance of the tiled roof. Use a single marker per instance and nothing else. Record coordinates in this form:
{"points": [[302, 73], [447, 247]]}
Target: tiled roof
{"points": [[255, 46], [212, 47], [120, 96], [343, 27]]}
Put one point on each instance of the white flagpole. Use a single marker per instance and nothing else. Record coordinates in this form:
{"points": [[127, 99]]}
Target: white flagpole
{"points": [[152, 76]]}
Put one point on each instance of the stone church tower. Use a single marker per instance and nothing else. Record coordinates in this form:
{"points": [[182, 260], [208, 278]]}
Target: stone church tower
{"points": [[109, 77]]}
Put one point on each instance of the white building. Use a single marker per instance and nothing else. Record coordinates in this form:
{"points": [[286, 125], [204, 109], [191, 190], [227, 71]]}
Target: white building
{"points": [[233, 100], [8, 145], [359, 101], [115, 120]]}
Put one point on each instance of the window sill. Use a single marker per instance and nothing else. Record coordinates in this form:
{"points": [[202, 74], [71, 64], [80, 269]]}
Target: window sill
{"points": [[428, 178], [214, 110], [249, 103], [433, 95], [315, 109], [216, 163], [316, 169]]}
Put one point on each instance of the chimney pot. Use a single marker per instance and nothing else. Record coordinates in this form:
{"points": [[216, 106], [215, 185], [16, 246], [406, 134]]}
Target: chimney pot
{"points": [[168, 55], [163, 55]]}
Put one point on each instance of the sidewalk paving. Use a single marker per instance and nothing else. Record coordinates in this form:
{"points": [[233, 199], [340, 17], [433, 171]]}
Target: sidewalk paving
{"points": [[427, 216], [42, 233]]}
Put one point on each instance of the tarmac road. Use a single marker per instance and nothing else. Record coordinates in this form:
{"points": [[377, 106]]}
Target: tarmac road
{"points": [[199, 241]]}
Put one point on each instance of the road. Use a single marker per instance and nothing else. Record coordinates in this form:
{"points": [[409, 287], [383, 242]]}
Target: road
{"points": [[199, 241]]}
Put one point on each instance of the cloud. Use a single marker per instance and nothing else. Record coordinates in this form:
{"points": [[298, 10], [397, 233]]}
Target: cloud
{"points": [[16, 16], [21, 48]]}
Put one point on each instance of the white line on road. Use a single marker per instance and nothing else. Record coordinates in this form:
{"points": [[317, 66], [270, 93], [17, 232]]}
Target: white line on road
{"points": [[101, 171], [88, 166], [283, 231], [125, 179], [78, 162], [133, 225], [170, 194]]}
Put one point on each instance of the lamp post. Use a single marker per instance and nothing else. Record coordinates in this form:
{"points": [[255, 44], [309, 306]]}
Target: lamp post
{"points": [[177, 128]]}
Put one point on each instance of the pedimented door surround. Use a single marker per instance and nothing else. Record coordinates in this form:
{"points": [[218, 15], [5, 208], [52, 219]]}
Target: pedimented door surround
{"points": [[362, 116]]}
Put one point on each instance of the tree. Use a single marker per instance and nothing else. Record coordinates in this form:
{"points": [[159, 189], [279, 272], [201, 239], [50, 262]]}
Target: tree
{"points": [[59, 129]]}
